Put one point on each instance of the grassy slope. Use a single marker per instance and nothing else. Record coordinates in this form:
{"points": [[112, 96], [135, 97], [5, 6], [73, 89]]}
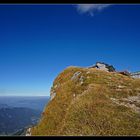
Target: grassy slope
{"points": [[91, 111]]}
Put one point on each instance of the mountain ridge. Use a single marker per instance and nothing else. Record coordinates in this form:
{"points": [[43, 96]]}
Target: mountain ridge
{"points": [[91, 101]]}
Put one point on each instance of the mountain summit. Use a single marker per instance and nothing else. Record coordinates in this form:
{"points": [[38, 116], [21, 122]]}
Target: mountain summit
{"points": [[92, 101]]}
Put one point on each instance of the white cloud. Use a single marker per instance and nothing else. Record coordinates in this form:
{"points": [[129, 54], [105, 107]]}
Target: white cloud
{"points": [[91, 8]]}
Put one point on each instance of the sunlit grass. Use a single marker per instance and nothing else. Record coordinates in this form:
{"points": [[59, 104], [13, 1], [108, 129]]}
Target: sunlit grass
{"points": [[86, 109]]}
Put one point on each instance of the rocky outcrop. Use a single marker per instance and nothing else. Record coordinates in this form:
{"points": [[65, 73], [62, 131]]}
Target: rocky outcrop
{"points": [[52, 95], [103, 66], [75, 75], [28, 132], [132, 102]]}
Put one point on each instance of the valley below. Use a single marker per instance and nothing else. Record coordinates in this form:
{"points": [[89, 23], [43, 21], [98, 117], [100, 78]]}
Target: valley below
{"points": [[17, 114]]}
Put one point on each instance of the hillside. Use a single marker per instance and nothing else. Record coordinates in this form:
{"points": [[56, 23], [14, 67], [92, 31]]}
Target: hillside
{"points": [[88, 101]]}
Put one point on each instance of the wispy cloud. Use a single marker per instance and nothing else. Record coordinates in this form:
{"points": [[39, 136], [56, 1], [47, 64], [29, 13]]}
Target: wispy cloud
{"points": [[91, 8]]}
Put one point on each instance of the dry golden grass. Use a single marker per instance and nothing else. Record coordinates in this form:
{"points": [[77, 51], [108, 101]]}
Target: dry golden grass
{"points": [[87, 109]]}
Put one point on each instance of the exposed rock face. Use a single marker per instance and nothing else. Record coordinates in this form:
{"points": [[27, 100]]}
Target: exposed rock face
{"points": [[53, 94], [28, 132], [103, 66], [81, 80], [132, 102], [75, 75]]}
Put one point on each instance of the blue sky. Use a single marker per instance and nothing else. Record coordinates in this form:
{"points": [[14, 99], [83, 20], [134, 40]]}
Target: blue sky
{"points": [[37, 42]]}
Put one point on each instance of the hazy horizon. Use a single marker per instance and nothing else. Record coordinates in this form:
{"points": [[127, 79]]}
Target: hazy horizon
{"points": [[24, 95]]}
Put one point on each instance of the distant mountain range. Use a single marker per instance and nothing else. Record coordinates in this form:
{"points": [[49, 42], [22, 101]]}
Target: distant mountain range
{"points": [[13, 119], [20, 113]]}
